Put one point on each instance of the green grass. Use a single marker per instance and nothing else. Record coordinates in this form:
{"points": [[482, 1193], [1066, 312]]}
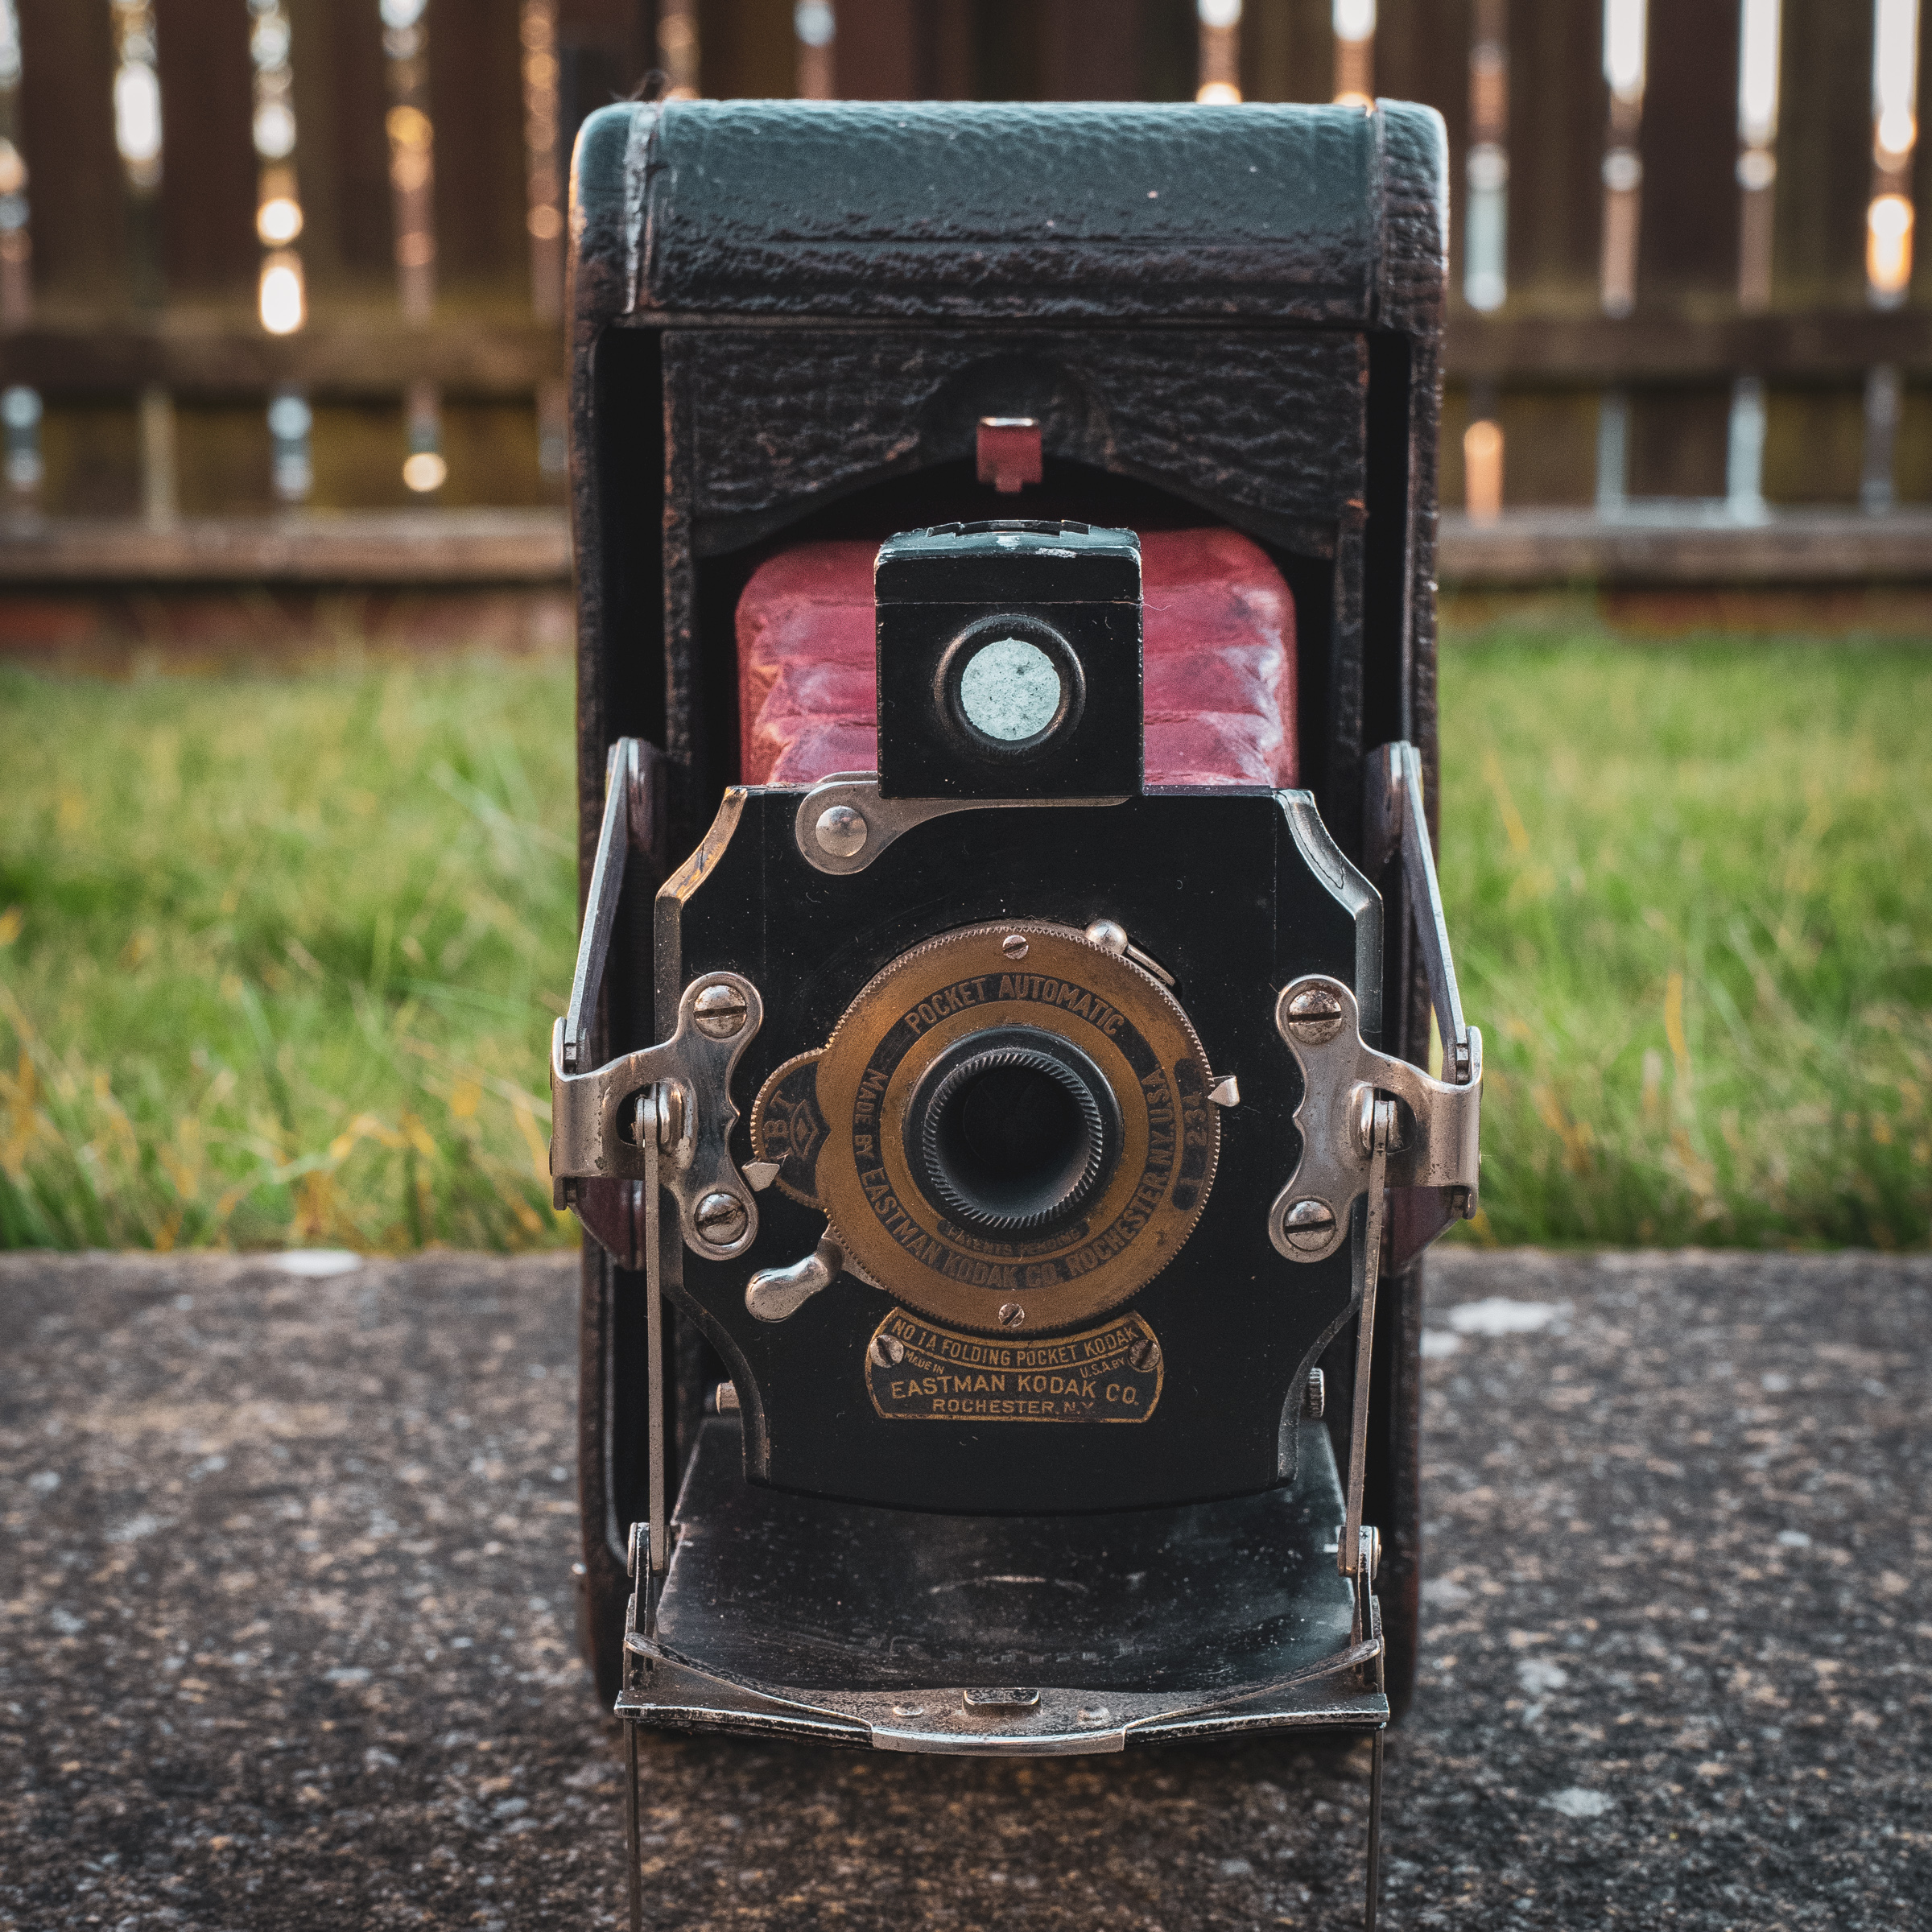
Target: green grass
{"points": [[278, 957], [1689, 892], [282, 956]]}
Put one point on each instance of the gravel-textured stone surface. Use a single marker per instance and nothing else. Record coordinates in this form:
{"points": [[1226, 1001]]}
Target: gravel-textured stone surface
{"points": [[285, 1642]]}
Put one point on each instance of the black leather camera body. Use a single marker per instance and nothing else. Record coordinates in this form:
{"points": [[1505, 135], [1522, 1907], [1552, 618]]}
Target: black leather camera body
{"points": [[1047, 1222], [997, 1080]]}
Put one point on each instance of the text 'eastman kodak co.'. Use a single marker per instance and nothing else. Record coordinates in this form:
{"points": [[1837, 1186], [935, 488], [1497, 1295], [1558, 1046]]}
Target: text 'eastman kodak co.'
{"points": [[919, 1372]]}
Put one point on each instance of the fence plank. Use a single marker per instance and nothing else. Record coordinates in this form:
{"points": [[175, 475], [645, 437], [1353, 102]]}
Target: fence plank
{"points": [[1922, 165], [207, 176], [1558, 104], [475, 88], [1813, 445], [1537, 363], [1288, 52], [619, 31], [1817, 547], [1421, 53], [504, 546], [1824, 154], [342, 152], [336, 355], [1664, 346], [880, 52], [746, 48], [1677, 441], [80, 207], [1091, 50], [1687, 238]]}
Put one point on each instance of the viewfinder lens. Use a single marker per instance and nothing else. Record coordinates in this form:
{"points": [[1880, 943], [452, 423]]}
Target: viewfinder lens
{"points": [[1010, 689]]}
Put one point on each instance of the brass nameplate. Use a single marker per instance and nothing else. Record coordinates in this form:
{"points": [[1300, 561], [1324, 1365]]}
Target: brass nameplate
{"points": [[918, 1371]]}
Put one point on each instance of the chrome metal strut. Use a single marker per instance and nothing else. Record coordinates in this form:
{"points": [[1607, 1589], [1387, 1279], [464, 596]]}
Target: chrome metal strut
{"points": [[598, 1156]]}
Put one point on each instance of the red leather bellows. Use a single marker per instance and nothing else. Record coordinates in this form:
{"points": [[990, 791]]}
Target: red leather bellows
{"points": [[1218, 651]]}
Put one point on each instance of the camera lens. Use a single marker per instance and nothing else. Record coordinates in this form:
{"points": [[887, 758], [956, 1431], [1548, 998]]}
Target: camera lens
{"points": [[1012, 1130]]}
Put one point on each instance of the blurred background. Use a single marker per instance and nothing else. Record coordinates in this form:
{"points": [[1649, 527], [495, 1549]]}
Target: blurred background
{"points": [[258, 255], [286, 891]]}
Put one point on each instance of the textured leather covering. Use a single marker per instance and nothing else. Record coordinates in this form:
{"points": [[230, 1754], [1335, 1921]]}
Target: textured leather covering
{"points": [[1269, 420], [1218, 646], [1269, 213]]}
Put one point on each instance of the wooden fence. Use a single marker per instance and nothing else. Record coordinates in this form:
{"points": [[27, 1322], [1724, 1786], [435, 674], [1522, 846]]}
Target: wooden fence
{"points": [[268, 253]]}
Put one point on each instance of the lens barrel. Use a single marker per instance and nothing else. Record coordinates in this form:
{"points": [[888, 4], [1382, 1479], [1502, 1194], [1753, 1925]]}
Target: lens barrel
{"points": [[1012, 1130]]}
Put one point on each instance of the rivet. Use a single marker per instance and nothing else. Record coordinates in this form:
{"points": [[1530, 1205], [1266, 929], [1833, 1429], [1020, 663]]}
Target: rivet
{"points": [[1014, 946], [720, 1219], [718, 1011], [1309, 1225], [1316, 1015], [841, 831], [1012, 1314], [1362, 1120]]}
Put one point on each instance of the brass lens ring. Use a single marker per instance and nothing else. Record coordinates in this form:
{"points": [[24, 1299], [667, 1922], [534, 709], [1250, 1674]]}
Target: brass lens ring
{"points": [[1065, 1221]]}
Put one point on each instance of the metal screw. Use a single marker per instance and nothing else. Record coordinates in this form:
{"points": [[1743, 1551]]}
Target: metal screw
{"points": [[1146, 1355], [1012, 1314], [718, 1011], [1314, 1014], [720, 1219], [1315, 1399], [842, 832], [1309, 1225], [1014, 946], [888, 1351]]}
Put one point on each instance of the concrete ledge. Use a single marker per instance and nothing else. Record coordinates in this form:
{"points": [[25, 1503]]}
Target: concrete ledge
{"points": [[285, 1634]]}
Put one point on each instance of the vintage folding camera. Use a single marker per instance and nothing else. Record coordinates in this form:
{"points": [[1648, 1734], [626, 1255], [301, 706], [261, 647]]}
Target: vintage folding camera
{"points": [[997, 1123]]}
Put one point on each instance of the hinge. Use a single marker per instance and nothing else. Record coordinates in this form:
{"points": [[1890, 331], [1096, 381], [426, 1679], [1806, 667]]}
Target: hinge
{"points": [[1432, 1153], [665, 1108], [1432, 1138]]}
